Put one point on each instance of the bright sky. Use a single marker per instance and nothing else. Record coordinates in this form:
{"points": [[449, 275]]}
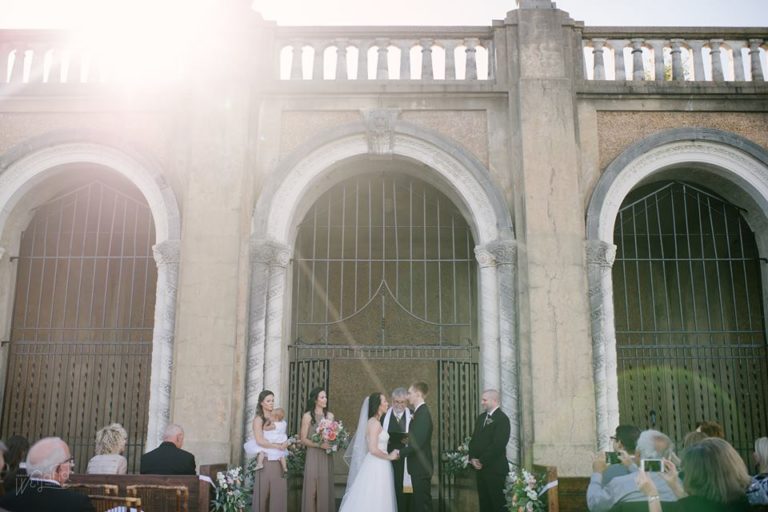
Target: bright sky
{"points": [[125, 13]]}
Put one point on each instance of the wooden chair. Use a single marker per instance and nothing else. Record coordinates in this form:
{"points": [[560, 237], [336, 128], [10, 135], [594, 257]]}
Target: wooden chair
{"points": [[93, 489], [553, 496], [161, 498], [109, 503]]}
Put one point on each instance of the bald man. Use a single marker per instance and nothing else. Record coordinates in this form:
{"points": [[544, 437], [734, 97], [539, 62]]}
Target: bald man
{"points": [[488, 453], [169, 458], [49, 464]]}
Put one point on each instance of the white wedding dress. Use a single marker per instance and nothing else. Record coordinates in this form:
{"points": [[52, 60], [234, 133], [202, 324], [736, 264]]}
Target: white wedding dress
{"points": [[373, 489]]}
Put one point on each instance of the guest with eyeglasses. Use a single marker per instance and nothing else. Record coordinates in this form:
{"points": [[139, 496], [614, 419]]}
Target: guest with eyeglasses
{"points": [[49, 464]]}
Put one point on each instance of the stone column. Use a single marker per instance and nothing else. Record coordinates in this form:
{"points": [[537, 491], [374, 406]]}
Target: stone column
{"points": [[167, 255], [268, 263], [2, 252], [489, 319], [600, 258]]}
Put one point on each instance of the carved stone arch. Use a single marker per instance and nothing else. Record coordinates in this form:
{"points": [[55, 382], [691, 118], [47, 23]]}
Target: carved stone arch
{"points": [[733, 165], [306, 173], [32, 162]]}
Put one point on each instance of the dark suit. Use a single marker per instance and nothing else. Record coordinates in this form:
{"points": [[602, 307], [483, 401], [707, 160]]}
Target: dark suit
{"points": [[166, 459], [418, 460], [488, 444], [397, 432], [38, 496]]}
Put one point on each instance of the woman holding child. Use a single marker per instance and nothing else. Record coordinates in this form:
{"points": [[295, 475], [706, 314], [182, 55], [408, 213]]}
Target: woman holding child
{"points": [[270, 487]]}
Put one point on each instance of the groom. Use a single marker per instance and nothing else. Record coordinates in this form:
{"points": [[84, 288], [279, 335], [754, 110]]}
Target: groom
{"points": [[396, 423], [418, 451]]}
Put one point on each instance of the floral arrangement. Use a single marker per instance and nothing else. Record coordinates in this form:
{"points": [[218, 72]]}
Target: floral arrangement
{"points": [[234, 489], [456, 461], [297, 454], [524, 492], [333, 433]]}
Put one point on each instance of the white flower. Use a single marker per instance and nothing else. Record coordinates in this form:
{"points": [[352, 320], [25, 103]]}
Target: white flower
{"points": [[532, 495]]}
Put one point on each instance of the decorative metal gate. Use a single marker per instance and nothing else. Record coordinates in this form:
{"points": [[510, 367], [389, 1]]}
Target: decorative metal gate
{"points": [[689, 315], [81, 337], [305, 375], [384, 276]]}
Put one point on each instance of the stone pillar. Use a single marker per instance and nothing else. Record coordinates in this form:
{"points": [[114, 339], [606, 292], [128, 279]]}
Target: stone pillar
{"points": [[598, 46], [471, 45], [2, 252], [268, 265], [600, 258], [426, 59], [382, 63], [717, 64], [677, 62], [638, 71], [489, 324], [167, 257], [754, 59]]}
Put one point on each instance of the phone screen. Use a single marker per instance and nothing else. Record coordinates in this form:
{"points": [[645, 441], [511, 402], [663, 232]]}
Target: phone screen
{"points": [[653, 465], [612, 458]]}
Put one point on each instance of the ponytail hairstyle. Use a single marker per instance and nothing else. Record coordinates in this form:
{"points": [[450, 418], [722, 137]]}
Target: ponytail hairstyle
{"points": [[374, 401], [259, 409], [312, 402]]}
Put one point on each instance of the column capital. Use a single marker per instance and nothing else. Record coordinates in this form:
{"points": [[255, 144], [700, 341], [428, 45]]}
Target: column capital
{"points": [[270, 252], [600, 253], [498, 252], [167, 252]]}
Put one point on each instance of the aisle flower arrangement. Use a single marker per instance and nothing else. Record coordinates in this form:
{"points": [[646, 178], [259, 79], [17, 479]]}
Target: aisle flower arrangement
{"points": [[456, 461], [297, 454], [234, 489], [524, 492]]}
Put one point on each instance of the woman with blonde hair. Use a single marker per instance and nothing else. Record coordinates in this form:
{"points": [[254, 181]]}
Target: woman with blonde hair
{"points": [[757, 494], [110, 444]]}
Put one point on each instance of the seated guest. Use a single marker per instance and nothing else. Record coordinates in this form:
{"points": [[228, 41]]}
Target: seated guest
{"points": [[757, 494], [651, 444], [715, 480], [110, 444], [711, 428], [624, 443], [691, 438], [169, 458], [49, 465], [16, 471]]}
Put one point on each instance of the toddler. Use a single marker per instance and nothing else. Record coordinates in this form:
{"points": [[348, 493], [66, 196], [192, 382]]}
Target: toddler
{"points": [[276, 435]]}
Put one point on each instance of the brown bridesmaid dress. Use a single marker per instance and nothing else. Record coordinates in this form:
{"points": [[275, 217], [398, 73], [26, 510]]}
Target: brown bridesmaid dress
{"points": [[270, 488], [317, 494]]}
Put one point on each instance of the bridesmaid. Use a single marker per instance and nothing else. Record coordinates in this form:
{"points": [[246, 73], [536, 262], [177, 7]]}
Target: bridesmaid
{"points": [[317, 495], [270, 488]]}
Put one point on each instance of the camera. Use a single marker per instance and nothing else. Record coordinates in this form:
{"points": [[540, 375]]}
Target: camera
{"points": [[612, 458], [653, 465]]}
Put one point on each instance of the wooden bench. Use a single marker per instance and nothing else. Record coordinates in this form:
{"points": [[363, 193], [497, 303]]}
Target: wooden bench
{"points": [[200, 493]]}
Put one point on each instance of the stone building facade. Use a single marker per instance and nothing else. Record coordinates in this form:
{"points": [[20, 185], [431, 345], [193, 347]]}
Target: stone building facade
{"points": [[526, 144]]}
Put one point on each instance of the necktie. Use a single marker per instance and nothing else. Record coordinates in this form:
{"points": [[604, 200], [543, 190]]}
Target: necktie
{"points": [[487, 420]]}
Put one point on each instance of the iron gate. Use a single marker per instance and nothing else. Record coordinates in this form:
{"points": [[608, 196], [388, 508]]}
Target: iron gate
{"points": [[689, 315], [81, 338], [304, 376]]}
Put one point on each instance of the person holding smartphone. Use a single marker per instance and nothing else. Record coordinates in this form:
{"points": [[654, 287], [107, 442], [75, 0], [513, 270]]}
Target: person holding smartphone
{"points": [[652, 446], [620, 459]]}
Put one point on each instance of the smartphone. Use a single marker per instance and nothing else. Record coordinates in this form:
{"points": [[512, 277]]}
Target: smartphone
{"points": [[612, 458], [653, 465]]}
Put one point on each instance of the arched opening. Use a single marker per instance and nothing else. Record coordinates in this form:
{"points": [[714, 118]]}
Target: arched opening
{"points": [[80, 347], [690, 333]]}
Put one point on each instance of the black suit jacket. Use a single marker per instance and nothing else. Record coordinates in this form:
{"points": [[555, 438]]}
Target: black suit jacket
{"points": [[37, 496], [396, 432], [489, 442], [418, 452], [166, 459]]}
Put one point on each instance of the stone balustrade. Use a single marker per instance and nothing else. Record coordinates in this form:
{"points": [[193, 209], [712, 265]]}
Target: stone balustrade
{"points": [[386, 53], [675, 54]]}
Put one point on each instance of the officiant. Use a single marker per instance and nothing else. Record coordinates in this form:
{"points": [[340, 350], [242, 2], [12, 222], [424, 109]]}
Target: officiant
{"points": [[396, 422]]}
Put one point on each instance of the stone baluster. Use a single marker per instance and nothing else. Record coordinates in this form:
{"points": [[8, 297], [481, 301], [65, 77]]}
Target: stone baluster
{"points": [[738, 61], [698, 60], [754, 57], [37, 69], [717, 63], [471, 45], [450, 59], [75, 65], [426, 59], [17, 73], [5, 60], [678, 74], [405, 60], [296, 61], [658, 59], [341, 59], [362, 60], [318, 61], [598, 47], [600, 258], [638, 71], [382, 61], [618, 46], [167, 256]]}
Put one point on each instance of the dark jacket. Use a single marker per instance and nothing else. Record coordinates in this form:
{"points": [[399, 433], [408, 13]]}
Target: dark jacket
{"points": [[166, 459], [37, 496], [418, 453], [489, 442]]}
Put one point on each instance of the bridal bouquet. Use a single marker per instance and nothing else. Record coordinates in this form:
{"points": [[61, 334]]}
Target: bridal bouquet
{"points": [[524, 492], [333, 433]]}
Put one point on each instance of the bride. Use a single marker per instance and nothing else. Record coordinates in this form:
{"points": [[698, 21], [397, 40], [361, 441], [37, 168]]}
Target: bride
{"points": [[370, 484]]}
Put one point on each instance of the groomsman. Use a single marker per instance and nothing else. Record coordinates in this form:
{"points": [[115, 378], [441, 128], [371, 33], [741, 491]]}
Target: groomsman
{"points": [[396, 423], [418, 451], [487, 453]]}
